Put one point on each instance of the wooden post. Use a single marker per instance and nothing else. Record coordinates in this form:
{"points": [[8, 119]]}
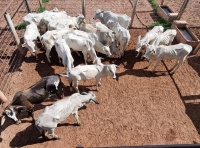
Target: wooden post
{"points": [[40, 2], [182, 9], [83, 7], [196, 49], [133, 13], [12, 28], [162, 3], [27, 6]]}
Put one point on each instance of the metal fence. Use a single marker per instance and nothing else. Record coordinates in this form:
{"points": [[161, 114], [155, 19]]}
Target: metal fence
{"points": [[11, 16]]}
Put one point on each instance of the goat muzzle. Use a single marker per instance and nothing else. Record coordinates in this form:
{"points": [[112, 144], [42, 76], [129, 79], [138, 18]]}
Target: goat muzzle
{"points": [[18, 122]]}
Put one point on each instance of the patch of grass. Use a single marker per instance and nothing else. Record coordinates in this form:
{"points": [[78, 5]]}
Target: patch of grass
{"points": [[20, 26], [161, 22], [43, 8], [45, 1], [153, 4]]}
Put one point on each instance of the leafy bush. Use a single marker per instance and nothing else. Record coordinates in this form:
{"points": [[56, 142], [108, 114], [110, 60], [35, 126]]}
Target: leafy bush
{"points": [[161, 22], [153, 4], [41, 9], [20, 26], [45, 1]]}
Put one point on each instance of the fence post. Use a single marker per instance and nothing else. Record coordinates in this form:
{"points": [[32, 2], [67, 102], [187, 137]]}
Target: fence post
{"points": [[27, 6], [133, 13], [182, 9], [40, 2], [83, 7], [12, 28], [162, 3]]}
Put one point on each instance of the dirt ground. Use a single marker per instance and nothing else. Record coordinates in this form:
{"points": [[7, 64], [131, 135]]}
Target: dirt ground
{"points": [[138, 108]]}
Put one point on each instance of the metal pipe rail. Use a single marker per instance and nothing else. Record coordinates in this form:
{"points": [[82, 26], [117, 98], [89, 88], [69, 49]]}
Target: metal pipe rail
{"points": [[7, 7]]}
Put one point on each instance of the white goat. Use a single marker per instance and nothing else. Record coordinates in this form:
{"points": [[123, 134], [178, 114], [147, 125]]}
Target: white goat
{"points": [[30, 36], [122, 35], [48, 39], [149, 38], [98, 46], [60, 110], [78, 43], [64, 53], [165, 38], [178, 52], [86, 72]]}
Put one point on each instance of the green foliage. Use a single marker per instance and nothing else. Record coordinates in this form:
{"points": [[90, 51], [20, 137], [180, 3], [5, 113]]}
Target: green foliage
{"points": [[45, 1], [153, 4], [161, 22], [41, 9], [20, 26]]}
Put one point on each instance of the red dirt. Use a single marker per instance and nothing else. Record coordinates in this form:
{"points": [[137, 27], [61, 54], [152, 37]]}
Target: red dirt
{"points": [[139, 108]]}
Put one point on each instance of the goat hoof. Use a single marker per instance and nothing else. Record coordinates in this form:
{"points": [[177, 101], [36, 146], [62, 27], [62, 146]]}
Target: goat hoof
{"points": [[56, 137], [77, 124]]}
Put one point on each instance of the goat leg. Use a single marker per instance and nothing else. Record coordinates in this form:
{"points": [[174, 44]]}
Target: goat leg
{"points": [[30, 114]]}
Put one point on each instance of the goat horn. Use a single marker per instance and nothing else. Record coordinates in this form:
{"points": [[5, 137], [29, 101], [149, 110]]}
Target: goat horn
{"points": [[84, 93]]}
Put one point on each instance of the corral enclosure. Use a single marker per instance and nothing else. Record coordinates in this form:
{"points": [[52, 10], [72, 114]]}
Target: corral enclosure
{"points": [[139, 108]]}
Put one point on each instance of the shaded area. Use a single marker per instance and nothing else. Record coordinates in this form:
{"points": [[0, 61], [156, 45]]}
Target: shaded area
{"points": [[194, 62], [193, 108]]}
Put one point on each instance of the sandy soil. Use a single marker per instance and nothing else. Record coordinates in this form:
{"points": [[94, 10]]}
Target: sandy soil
{"points": [[138, 108]]}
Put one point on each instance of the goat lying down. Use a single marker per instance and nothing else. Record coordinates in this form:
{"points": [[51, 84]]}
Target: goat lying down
{"points": [[60, 110], [24, 100]]}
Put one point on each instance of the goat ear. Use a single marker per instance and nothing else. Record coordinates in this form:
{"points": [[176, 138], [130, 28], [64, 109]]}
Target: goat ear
{"points": [[36, 19], [54, 36], [139, 37], [3, 118], [19, 108], [84, 93], [24, 45]]}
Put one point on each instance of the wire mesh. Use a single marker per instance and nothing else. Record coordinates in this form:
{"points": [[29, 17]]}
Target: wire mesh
{"points": [[9, 55], [67, 6]]}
